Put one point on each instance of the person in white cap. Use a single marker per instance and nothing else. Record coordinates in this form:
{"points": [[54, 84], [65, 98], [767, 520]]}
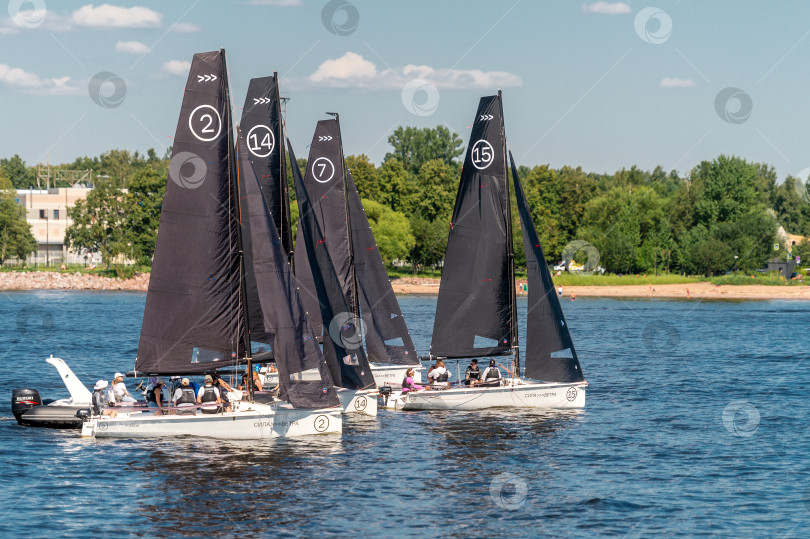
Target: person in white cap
{"points": [[184, 398], [101, 399], [119, 389]]}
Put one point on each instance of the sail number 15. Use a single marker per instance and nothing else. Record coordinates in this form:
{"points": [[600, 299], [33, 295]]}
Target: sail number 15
{"points": [[482, 154]]}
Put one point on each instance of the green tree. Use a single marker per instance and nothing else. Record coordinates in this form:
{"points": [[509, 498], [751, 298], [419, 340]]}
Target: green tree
{"points": [[395, 185], [16, 171], [391, 230], [99, 223], [435, 190], [430, 241], [16, 239], [414, 147], [365, 175], [142, 204]]}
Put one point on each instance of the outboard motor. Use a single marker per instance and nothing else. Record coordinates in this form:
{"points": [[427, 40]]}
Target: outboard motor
{"points": [[385, 392], [23, 400]]}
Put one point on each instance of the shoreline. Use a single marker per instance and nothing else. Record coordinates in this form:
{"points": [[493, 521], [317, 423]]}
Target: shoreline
{"points": [[51, 280]]}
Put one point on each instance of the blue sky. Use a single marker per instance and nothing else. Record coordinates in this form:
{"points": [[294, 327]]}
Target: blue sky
{"points": [[602, 85]]}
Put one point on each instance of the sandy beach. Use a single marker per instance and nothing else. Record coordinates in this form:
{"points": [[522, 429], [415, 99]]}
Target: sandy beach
{"points": [[51, 280]]}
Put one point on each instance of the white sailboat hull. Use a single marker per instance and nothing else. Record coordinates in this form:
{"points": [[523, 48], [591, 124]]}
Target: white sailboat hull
{"points": [[248, 421], [515, 394], [358, 401], [384, 375]]}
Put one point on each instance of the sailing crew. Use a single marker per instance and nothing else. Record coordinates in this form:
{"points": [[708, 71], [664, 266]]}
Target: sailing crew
{"points": [[119, 389], [154, 396], [101, 399], [473, 375], [439, 378], [491, 375], [408, 384], [209, 397], [224, 388], [184, 398]]}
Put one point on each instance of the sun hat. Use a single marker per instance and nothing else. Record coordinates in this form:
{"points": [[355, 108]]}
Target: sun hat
{"points": [[209, 379], [184, 381], [101, 384], [118, 375]]}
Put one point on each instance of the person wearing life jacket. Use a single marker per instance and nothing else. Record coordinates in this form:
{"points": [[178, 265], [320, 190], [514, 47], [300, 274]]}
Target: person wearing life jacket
{"points": [[224, 388], [439, 378], [101, 399], [184, 398], [408, 384], [473, 375], [491, 375], [209, 397], [154, 396]]}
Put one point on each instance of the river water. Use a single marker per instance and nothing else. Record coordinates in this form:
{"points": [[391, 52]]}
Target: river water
{"points": [[694, 424]]}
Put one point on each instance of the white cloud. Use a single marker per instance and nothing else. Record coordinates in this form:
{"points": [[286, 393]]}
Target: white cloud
{"points": [[607, 8], [353, 71], [176, 67], [109, 16], [15, 77], [184, 27], [677, 83], [348, 66], [131, 47]]}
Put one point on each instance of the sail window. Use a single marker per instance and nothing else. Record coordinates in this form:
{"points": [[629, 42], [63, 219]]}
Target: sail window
{"points": [[395, 342], [259, 347], [484, 342], [309, 375], [351, 359], [563, 354], [201, 355]]}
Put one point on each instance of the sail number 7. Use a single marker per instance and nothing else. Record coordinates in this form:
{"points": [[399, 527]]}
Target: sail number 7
{"points": [[482, 154], [261, 141], [323, 169], [205, 123]]}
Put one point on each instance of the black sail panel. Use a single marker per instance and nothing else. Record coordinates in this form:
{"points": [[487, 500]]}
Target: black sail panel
{"points": [[550, 354], [306, 283], [304, 378], [386, 334], [342, 341], [474, 309], [192, 319], [325, 182]]}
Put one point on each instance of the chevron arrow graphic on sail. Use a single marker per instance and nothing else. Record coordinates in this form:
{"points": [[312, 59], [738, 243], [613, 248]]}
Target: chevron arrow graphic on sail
{"points": [[486, 117], [322, 138], [206, 78], [257, 100]]}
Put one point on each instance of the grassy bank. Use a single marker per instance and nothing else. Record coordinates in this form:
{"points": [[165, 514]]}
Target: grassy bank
{"points": [[573, 279], [115, 271]]}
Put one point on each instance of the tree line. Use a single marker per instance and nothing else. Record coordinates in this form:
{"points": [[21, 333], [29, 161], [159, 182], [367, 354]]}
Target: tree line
{"points": [[721, 216]]}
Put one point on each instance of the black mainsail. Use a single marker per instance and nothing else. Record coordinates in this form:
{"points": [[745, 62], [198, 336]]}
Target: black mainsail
{"points": [[550, 353], [342, 341], [386, 334], [475, 315], [304, 378], [192, 321]]}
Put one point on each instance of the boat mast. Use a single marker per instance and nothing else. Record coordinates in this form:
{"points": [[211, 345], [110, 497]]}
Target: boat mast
{"points": [[355, 296], [286, 233], [511, 255], [233, 170]]}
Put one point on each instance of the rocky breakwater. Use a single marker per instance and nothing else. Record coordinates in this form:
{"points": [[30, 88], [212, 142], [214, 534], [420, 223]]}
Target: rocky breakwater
{"points": [[52, 280]]}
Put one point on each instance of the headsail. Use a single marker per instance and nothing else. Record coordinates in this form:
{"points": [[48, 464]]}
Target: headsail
{"points": [[342, 341], [387, 337], [192, 321], [550, 354], [303, 375], [475, 311]]}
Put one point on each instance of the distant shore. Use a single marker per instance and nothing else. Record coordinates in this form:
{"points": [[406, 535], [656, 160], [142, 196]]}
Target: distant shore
{"points": [[52, 280]]}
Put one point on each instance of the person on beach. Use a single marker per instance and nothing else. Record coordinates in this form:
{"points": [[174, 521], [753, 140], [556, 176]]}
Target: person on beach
{"points": [[472, 376], [119, 389], [560, 291], [408, 384], [184, 398], [154, 396], [101, 399]]}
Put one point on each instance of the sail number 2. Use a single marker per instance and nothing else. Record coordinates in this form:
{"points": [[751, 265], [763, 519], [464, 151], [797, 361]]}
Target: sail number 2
{"points": [[482, 154], [205, 123]]}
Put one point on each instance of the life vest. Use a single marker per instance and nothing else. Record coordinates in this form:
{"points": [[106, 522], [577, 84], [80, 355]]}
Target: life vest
{"points": [[493, 373], [209, 395], [406, 385], [100, 401], [187, 397], [443, 377], [473, 374], [151, 395]]}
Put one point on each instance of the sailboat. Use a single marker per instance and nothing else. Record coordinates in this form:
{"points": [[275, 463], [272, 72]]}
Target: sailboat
{"points": [[476, 312], [374, 310], [214, 223]]}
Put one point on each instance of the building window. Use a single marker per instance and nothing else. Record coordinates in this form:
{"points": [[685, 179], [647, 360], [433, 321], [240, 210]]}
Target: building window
{"points": [[43, 214], [56, 214]]}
